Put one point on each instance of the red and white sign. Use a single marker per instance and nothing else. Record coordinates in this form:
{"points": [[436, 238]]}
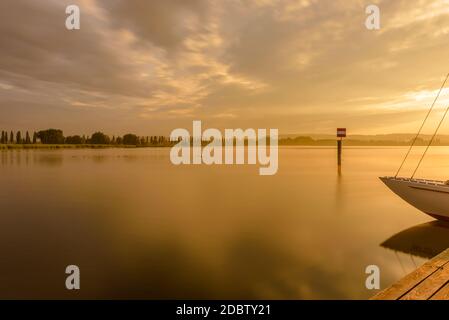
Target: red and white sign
{"points": [[341, 132]]}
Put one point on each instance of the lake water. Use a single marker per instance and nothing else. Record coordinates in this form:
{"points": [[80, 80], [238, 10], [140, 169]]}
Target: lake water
{"points": [[140, 227]]}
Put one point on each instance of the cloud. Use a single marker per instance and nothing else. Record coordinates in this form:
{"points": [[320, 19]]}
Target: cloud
{"points": [[149, 66]]}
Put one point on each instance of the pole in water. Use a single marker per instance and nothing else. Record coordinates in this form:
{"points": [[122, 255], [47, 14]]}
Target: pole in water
{"points": [[341, 133], [339, 152]]}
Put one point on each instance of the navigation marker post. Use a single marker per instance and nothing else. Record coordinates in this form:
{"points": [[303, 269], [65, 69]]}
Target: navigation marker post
{"points": [[341, 133]]}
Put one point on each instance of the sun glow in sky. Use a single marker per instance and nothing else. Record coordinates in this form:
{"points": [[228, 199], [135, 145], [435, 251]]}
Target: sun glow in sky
{"points": [[303, 66]]}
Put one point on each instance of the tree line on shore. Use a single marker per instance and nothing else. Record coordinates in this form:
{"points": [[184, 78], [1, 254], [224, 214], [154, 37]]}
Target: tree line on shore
{"points": [[56, 136]]}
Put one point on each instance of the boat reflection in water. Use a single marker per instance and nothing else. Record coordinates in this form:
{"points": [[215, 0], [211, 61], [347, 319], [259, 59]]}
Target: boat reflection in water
{"points": [[421, 243], [424, 240]]}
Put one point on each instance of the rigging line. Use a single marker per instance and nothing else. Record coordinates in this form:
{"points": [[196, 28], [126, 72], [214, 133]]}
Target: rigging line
{"points": [[413, 260], [422, 126], [431, 140], [400, 263]]}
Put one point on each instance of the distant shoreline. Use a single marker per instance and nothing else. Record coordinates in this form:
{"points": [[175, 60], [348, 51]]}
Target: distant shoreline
{"points": [[356, 143], [55, 139], [318, 143]]}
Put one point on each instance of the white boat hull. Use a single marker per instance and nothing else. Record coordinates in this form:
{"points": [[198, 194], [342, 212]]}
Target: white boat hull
{"points": [[429, 196]]}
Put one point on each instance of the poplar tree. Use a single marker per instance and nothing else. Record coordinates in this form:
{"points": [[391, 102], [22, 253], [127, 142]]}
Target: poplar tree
{"points": [[18, 137], [27, 138]]}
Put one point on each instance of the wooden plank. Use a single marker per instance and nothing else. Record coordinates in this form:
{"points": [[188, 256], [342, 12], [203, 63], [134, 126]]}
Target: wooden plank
{"points": [[426, 289], [410, 281], [442, 293], [406, 284]]}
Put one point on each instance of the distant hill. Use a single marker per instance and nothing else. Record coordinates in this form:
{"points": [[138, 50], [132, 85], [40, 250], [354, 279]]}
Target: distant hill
{"points": [[394, 139]]}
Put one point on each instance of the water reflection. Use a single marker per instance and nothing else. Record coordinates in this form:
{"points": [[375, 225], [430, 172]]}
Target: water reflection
{"points": [[26, 157], [140, 227], [424, 240], [168, 270]]}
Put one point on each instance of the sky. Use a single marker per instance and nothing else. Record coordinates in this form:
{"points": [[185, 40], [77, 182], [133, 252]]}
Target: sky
{"points": [[148, 67]]}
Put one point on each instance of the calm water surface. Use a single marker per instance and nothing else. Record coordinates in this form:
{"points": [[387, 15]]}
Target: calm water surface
{"points": [[140, 227]]}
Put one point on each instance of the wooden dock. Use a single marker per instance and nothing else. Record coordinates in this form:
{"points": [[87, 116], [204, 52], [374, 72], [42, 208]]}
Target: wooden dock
{"points": [[428, 282]]}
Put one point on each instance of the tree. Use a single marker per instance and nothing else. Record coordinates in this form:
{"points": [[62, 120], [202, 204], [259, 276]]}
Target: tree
{"points": [[27, 138], [51, 136], [34, 138], [18, 137], [3, 137], [99, 138], [130, 139], [74, 140], [11, 137]]}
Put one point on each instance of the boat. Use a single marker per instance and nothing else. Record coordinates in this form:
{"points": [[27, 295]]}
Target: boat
{"points": [[429, 196]]}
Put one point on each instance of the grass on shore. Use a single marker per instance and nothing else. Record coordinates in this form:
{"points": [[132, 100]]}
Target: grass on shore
{"points": [[68, 146]]}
